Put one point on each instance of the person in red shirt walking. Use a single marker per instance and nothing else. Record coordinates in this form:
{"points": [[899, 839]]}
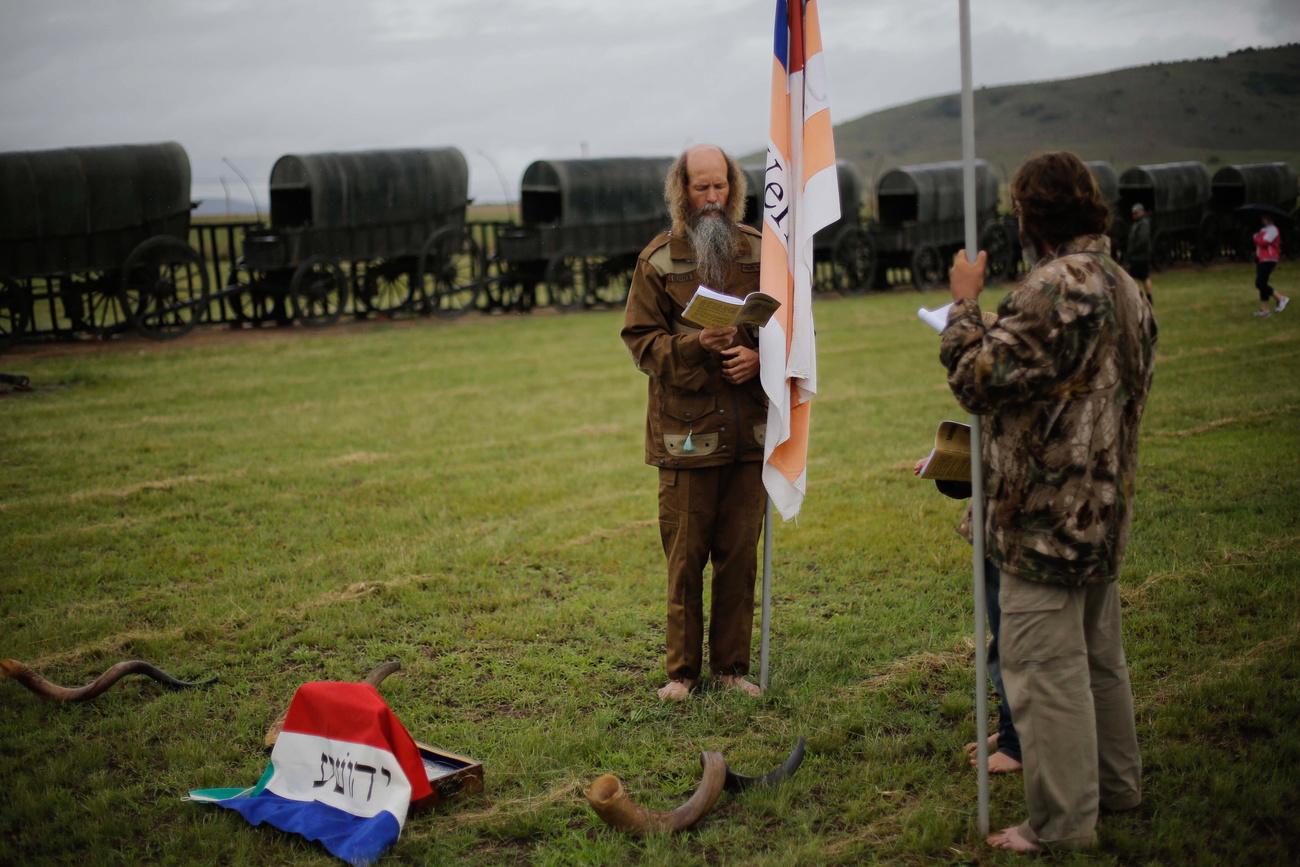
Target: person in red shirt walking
{"points": [[1268, 244]]}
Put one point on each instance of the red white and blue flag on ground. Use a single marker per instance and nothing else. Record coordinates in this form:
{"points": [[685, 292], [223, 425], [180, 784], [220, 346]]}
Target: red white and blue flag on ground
{"points": [[344, 771], [800, 195]]}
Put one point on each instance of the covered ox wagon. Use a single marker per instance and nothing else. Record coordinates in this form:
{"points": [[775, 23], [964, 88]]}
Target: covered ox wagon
{"points": [[1108, 183], [1262, 185], [842, 253], [386, 226], [1177, 198], [582, 224], [93, 240], [920, 222]]}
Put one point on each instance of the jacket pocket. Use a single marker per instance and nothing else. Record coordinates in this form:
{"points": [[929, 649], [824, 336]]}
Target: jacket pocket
{"points": [[690, 424], [688, 412], [691, 445]]}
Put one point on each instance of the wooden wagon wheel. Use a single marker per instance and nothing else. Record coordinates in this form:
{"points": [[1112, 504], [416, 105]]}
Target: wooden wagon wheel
{"points": [[164, 288], [93, 302], [1207, 240], [319, 292], [610, 280], [1161, 250], [256, 299], [389, 285], [927, 268], [14, 304], [853, 261], [996, 241], [566, 280], [450, 274]]}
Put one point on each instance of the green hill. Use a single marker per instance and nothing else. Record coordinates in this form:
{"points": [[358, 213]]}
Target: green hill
{"points": [[1242, 108]]}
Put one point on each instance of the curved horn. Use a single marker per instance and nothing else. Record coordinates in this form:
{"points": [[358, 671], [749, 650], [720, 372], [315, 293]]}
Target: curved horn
{"points": [[611, 802], [42, 687], [374, 678], [379, 672], [739, 782]]}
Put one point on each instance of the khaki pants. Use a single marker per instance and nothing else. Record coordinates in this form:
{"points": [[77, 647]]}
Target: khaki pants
{"points": [[1066, 677], [712, 513]]}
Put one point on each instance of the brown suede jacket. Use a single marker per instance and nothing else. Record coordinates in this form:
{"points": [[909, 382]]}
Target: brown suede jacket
{"points": [[695, 418]]}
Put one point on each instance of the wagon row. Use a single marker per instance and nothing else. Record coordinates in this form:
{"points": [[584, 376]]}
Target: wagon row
{"points": [[99, 240]]}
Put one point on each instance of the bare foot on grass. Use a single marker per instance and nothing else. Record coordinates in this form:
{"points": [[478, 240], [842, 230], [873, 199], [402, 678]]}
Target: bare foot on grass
{"points": [[1011, 840], [677, 690], [999, 763], [731, 681], [993, 745]]}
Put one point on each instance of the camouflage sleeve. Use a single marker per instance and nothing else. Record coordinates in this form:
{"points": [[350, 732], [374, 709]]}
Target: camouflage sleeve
{"points": [[1044, 333]]}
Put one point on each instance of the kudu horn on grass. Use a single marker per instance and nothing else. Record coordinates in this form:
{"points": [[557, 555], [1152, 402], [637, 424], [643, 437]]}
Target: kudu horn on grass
{"points": [[613, 804], [374, 678], [12, 668], [739, 782]]}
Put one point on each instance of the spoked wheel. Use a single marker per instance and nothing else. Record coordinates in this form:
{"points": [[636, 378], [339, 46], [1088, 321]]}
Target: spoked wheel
{"points": [[257, 300], [451, 273], [319, 292], [853, 261], [94, 303], [927, 268], [610, 280], [1207, 241], [566, 281], [1162, 250], [389, 285], [164, 288], [995, 240], [14, 303]]}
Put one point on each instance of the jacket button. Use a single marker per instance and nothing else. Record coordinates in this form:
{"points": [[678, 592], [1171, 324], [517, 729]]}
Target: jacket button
{"points": [[722, 430], [722, 412]]}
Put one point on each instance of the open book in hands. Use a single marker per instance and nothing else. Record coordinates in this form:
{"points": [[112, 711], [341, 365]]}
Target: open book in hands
{"points": [[950, 460], [711, 309]]}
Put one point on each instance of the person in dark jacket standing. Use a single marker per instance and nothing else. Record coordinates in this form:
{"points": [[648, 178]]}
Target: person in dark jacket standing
{"points": [[1137, 253], [706, 417], [1061, 378]]}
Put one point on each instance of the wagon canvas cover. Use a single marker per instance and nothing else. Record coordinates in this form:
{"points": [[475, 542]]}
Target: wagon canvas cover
{"points": [[344, 771]]}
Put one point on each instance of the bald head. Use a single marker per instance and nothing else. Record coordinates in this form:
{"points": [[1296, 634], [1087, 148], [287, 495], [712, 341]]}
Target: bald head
{"points": [[704, 183]]}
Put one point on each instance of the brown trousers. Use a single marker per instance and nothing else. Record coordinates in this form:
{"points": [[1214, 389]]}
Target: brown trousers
{"points": [[711, 513], [1066, 678]]}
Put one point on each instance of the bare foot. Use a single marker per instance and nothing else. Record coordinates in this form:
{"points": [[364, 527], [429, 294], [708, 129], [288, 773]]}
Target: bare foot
{"points": [[731, 681], [676, 690], [1010, 838], [1001, 763], [993, 745]]}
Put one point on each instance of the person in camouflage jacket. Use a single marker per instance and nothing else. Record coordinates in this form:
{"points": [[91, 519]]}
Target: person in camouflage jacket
{"points": [[1061, 380]]}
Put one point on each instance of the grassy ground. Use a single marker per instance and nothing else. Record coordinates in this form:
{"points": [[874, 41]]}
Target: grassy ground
{"points": [[469, 499]]}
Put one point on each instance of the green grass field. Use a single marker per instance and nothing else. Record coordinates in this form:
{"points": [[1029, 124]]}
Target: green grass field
{"points": [[468, 498]]}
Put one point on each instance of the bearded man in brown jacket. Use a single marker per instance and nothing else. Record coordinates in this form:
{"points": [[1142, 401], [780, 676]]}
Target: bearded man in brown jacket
{"points": [[1061, 379], [706, 417]]}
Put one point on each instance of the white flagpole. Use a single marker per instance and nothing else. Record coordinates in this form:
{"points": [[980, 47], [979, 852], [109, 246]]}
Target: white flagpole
{"points": [[767, 594], [976, 431]]}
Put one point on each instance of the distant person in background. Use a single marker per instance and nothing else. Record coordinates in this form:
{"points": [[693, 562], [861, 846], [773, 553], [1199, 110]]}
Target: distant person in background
{"points": [[705, 418], [1137, 254], [1268, 245]]}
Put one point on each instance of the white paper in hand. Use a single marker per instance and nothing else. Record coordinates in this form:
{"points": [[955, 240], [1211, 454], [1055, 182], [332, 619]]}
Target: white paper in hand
{"points": [[936, 319]]}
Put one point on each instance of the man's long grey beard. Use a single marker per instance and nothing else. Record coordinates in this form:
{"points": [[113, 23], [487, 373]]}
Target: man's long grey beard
{"points": [[714, 240]]}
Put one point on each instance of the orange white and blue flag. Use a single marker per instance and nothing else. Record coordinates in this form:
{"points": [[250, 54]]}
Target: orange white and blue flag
{"points": [[800, 195]]}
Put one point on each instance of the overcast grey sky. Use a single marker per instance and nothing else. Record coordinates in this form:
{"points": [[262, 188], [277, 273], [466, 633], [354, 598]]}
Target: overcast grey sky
{"points": [[511, 81]]}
